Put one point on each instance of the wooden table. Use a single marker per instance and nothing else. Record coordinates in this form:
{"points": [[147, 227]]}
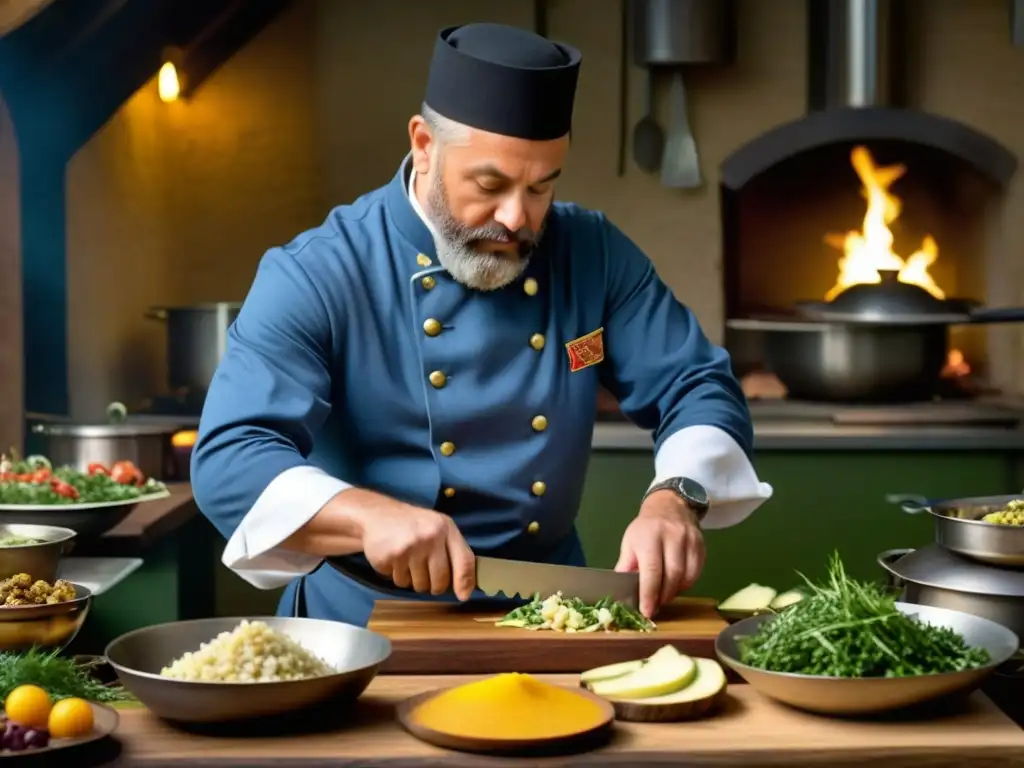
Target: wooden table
{"points": [[750, 730], [438, 638]]}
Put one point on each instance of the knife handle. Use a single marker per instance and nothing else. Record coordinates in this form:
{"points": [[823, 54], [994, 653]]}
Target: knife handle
{"points": [[369, 578]]}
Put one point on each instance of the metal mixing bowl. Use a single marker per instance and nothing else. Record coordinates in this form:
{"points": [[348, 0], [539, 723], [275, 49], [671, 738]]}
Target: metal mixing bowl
{"points": [[51, 627], [873, 695], [40, 561], [357, 654]]}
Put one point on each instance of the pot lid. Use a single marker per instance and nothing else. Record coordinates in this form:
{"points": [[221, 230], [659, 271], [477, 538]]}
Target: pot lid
{"points": [[128, 430], [880, 301], [935, 566]]}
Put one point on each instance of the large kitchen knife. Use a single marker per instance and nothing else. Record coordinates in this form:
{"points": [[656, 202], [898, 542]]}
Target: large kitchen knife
{"points": [[495, 577], [516, 577]]}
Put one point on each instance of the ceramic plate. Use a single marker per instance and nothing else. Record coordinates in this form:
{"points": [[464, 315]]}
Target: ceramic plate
{"points": [[581, 741], [104, 723], [83, 507]]}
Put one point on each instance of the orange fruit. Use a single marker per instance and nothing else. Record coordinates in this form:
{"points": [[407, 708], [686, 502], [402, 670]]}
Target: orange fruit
{"points": [[28, 705], [70, 719]]}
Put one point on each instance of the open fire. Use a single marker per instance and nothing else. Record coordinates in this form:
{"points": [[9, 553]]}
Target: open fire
{"points": [[871, 249]]}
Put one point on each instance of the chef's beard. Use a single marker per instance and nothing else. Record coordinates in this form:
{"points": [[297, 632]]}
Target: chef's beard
{"points": [[457, 245]]}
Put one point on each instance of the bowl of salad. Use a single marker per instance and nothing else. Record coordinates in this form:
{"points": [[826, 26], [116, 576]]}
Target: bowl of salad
{"points": [[90, 502]]}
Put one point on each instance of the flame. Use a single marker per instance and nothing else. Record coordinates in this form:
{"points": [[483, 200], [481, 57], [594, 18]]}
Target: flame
{"points": [[867, 251], [956, 365]]}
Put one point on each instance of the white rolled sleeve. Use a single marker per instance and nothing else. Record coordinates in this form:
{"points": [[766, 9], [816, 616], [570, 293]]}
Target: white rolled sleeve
{"points": [[290, 501], [714, 459]]}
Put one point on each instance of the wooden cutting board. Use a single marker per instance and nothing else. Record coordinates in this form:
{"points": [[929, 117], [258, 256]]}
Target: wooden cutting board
{"points": [[749, 730], [439, 639]]}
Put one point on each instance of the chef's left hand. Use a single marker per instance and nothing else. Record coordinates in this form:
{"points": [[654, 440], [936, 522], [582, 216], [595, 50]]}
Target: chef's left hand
{"points": [[665, 545]]}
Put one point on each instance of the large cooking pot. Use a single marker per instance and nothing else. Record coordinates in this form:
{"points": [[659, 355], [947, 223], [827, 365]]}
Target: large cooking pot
{"points": [[935, 576], [881, 342], [196, 339], [959, 527], [148, 446]]}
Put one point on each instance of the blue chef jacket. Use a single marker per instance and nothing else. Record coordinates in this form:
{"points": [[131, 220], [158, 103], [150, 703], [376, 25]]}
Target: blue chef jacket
{"points": [[355, 352]]}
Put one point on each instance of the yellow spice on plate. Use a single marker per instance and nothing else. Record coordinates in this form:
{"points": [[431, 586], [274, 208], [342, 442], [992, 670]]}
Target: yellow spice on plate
{"points": [[509, 706]]}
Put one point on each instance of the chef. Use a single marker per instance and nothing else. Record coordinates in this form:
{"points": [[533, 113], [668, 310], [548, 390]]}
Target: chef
{"points": [[414, 381]]}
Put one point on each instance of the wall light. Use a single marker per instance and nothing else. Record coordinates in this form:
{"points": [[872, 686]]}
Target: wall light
{"points": [[167, 82]]}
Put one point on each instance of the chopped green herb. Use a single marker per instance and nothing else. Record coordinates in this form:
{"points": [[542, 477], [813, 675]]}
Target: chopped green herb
{"points": [[846, 628], [573, 615]]}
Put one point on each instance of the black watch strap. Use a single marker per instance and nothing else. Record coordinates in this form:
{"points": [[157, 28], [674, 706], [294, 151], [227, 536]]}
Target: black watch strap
{"points": [[688, 490]]}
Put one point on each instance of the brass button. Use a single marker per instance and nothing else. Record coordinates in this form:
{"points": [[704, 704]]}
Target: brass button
{"points": [[539, 423], [428, 283], [530, 286], [432, 327], [449, 492], [536, 341], [538, 488], [533, 527], [447, 448], [422, 259], [437, 379]]}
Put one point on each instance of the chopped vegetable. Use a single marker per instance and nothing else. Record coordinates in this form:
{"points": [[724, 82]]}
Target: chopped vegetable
{"points": [[846, 628], [35, 481], [18, 541], [60, 676], [573, 615], [1011, 514]]}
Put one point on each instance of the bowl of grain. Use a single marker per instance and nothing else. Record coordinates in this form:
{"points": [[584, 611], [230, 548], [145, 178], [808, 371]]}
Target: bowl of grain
{"points": [[230, 669]]}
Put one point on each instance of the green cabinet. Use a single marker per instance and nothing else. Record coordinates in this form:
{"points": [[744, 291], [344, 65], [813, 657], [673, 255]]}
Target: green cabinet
{"points": [[823, 501]]}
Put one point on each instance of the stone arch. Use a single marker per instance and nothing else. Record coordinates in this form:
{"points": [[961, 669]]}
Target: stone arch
{"points": [[12, 415]]}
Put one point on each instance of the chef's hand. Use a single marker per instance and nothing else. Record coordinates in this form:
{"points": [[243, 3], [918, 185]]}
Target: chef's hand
{"points": [[419, 548], [665, 545]]}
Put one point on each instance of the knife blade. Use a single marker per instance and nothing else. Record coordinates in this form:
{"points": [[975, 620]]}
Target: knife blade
{"points": [[515, 577]]}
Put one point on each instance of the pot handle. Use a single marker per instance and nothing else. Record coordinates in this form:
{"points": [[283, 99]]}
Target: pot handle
{"points": [[910, 503], [997, 315], [156, 314]]}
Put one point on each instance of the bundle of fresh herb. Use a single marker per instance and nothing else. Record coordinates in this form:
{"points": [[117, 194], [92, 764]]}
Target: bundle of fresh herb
{"points": [[59, 676], [846, 628], [573, 615]]}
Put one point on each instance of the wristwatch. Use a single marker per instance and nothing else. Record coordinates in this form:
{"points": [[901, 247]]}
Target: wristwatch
{"points": [[690, 491]]}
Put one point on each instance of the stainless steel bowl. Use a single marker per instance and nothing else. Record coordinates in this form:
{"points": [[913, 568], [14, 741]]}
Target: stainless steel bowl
{"points": [[40, 561], [51, 627], [868, 696], [357, 654]]}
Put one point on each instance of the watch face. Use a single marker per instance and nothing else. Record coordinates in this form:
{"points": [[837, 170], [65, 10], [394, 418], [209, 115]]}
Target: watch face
{"points": [[694, 491]]}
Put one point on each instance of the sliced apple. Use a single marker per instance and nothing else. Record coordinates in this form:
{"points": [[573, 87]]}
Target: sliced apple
{"points": [[786, 599], [707, 683], [611, 671], [752, 598], [665, 672]]}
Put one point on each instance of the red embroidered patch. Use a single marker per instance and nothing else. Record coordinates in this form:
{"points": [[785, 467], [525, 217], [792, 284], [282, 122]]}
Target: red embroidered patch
{"points": [[586, 350]]}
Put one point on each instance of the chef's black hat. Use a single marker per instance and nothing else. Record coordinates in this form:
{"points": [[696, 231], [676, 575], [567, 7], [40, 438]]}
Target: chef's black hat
{"points": [[503, 80]]}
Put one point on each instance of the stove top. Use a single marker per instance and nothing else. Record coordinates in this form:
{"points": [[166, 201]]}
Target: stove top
{"points": [[983, 411]]}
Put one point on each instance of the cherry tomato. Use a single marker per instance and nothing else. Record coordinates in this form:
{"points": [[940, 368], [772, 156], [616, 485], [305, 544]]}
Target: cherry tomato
{"points": [[97, 468], [65, 490], [126, 473], [41, 476]]}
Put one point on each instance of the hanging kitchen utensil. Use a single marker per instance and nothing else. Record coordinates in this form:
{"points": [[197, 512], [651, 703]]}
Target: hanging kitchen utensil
{"points": [[668, 33], [648, 138], [680, 167], [623, 86]]}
